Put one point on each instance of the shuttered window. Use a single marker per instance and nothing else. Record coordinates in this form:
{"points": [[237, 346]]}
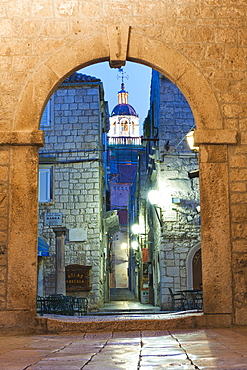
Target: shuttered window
{"points": [[45, 185]]}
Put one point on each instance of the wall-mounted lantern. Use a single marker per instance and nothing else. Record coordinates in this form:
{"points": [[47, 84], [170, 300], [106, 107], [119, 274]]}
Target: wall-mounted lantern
{"points": [[153, 197], [191, 141], [136, 229], [124, 247], [135, 245]]}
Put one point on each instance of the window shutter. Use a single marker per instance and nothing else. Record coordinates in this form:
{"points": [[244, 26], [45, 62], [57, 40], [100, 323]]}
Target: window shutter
{"points": [[45, 185]]}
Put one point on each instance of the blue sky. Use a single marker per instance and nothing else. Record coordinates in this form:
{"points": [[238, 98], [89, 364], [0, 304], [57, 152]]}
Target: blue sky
{"points": [[137, 84]]}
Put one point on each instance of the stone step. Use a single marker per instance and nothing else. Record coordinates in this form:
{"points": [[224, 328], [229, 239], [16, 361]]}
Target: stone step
{"points": [[121, 294], [103, 323], [125, 312]]}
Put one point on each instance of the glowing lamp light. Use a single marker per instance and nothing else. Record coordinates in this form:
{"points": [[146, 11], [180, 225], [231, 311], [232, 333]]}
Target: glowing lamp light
{"points": [[134, 245], [153, 197], [136, 229], [191, 141], [124, 246]]}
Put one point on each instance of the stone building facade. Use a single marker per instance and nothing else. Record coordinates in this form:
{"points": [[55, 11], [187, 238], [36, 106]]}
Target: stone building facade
{"points": [[201, 48], [124, 144], [72, 188], [173, 228]]}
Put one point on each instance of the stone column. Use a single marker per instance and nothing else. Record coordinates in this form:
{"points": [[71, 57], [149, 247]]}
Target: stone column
{"points": [[216, 243], [216, 227], [21, 214], [60, 282]]}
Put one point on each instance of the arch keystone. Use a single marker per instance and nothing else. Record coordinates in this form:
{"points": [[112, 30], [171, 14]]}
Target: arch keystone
{"points": [[118, 38]]}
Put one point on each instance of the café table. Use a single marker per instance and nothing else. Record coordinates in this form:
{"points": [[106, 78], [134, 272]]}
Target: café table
{"points": [[194, 298]]}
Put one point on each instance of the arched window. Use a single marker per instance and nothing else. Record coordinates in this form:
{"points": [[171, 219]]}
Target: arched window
{"points": [[133, 127]]}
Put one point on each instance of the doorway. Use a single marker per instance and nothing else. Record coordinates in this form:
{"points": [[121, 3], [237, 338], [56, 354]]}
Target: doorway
{"points": [[197, 270]]}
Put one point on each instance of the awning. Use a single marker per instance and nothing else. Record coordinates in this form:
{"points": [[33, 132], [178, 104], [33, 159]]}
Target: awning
{"points": [[111, 221], [43, 248]]}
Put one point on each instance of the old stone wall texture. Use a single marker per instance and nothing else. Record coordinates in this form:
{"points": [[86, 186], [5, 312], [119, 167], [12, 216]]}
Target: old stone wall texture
{"points": [[171, 113], [201, 47], [74, 138]]}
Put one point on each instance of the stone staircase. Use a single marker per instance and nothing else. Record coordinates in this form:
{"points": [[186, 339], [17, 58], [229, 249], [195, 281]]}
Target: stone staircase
{"points": [[124, 302], [122, 294]]}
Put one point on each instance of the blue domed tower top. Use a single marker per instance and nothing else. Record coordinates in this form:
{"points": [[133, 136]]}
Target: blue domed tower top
{"points": [[123, 108], [124, 121]]}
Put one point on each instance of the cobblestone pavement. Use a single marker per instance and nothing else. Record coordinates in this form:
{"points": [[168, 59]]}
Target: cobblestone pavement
{"points": [[179, 349]]}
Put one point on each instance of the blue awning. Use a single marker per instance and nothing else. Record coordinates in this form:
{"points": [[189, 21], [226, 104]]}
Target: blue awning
{"points": [[43, 248]]}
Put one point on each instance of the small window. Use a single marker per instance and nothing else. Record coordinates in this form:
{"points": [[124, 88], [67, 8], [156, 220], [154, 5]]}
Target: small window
{"points": [[45, 185], [46, 116]]}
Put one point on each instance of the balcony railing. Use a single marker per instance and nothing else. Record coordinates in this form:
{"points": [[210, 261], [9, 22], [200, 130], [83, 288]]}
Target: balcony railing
{"points": [[122, 140]]}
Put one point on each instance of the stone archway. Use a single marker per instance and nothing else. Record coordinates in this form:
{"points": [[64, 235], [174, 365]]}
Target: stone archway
{"points": [[150, 52], [121, 44]]}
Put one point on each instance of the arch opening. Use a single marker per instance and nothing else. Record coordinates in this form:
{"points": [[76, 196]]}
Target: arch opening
{"points": [[159, 56], [139, 276]]}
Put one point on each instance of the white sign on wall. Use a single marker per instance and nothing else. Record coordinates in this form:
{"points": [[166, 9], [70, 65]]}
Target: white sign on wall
{"points": [[170, 216], [53, 219], [78, 235]]}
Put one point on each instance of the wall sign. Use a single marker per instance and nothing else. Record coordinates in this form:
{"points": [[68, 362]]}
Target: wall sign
{"points": [[53, 219], [78, 278], [145, 255], [78, 235]]}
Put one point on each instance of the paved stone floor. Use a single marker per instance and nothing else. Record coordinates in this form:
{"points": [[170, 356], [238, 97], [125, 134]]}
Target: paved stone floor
{"points": [[128, 306], [177, 349]]}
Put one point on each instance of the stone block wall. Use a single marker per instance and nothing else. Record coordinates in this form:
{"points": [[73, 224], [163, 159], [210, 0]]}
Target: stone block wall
{"points": [[75, 143], [180, 229]]}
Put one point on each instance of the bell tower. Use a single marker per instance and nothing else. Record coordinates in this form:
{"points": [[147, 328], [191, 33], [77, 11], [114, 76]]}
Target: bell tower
{"points": [[124, 121]]}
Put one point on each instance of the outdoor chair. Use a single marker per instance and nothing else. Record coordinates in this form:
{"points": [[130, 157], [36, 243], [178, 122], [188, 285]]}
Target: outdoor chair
{"points": [[178, 301], [80, 306], [198, 300]]}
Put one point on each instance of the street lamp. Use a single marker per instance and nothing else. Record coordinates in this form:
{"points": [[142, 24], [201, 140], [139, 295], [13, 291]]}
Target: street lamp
{"points": [[136, 254], [136, 229], [153, 197], [191, 141], [134, 245], [124, 247]]}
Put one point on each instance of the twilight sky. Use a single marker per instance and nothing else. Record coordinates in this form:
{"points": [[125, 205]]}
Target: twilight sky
{"points": [[137, 84]]}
